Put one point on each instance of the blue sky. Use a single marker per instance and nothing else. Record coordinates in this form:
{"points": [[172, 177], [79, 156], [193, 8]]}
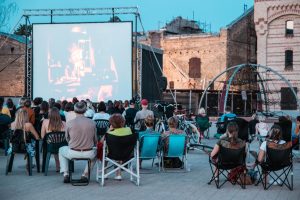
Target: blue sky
{"points": [[154, 13]]}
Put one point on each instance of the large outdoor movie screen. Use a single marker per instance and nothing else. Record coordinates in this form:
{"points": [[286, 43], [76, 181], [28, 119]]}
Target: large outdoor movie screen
{"points": [[86, 60]]}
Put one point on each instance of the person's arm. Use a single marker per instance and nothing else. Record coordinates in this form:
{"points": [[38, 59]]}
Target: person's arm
{"points": [[256, 129], [261, 156], [43, 131], [215, 151], [67, 133], [297, 129], [33, 131]]}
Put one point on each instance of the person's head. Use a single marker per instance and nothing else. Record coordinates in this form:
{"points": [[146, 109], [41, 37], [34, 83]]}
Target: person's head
{"points": [[37, 101], [109, 104], [21, 119], [101, 107], [80, 108], [117, 121], [117, 104], [9, 103], [173, 122], [57, 105], [69, 107], [74, 100], [63, 104], [51, 102], [144, 103], [27, 103], [227, 109], [22, 101], [44, 107], [298, 118], [131, 104], [89, 105], [149, 121], [261, 118], [55, 122], [232, 129], [126, 103], [202, 111], [276, 132]]}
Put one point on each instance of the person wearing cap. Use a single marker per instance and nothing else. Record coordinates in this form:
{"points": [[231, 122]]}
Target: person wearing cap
{"points": [[81, 136], [142, 114], [129, 113]]}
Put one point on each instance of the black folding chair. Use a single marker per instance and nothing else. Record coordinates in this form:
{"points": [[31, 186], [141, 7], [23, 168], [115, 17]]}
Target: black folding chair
{"points": [[278, 165], [52, 142], [102, 126], [228, 159]]}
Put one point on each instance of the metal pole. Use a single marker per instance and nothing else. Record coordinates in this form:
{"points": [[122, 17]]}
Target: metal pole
{"points": [[136, 54], [190, 102], [51, 16], [26, 57]]}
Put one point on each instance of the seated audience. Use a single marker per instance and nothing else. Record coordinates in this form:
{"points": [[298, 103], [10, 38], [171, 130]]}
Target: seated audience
{"points": [[4, 110], [202, 121], [296, 133], [142, 114], [11, 107], [30, 111], [261, 128], [69, 112], [129, 114]]}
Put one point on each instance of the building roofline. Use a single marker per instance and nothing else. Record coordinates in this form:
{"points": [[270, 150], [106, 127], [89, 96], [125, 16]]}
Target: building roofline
{"points": [[246, 13], [18, 38]]}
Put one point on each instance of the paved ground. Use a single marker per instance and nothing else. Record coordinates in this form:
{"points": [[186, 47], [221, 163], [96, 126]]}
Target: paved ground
{"points": [[189, 185]]}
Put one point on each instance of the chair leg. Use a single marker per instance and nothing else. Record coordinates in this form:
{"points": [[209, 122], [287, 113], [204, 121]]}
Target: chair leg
{"points": [[29, 164], [9, 164], [37, 155], [47, 163], [6, 146]]}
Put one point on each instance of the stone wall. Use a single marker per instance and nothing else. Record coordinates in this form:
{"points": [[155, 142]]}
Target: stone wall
{"points": [[12, 63]]}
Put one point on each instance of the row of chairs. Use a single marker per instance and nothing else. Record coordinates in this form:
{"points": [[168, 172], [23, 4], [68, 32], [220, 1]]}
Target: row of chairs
{"points": [[278, 166]]}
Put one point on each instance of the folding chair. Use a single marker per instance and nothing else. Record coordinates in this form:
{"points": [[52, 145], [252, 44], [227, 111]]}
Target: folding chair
{"points": [[175, 147], [278, 158], [102, 126], [120, 148], [228, 159], [149, 147]]}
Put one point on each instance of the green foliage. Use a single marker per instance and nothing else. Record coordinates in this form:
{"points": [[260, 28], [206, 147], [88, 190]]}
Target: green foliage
{"points": [[21, 30]]}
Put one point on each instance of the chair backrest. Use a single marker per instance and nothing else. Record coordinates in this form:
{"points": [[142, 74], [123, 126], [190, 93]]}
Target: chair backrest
{"points": [[120, 147], [243, 125], [149, 145], [18, 142], [229, 158], [102, 126], [278, 155], [176, 145], [54, 141]]}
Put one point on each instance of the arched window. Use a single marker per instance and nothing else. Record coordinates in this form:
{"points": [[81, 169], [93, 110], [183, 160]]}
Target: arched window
{"points": [[288, 60], [195, 68], [289, 28]]}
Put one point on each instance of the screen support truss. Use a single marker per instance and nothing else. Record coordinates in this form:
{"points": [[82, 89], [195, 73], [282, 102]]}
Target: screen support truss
{"points": [[27, 13]]}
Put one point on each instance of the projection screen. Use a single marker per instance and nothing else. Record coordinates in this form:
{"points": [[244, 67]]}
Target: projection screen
{"points": [[84, 60]]}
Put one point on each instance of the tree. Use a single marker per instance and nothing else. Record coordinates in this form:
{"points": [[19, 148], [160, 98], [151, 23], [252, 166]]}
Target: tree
{"points": [[7, 9], [21, 30]]}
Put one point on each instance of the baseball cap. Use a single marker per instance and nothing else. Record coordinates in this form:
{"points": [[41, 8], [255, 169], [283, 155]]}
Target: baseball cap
{"points": [[144, 102]]}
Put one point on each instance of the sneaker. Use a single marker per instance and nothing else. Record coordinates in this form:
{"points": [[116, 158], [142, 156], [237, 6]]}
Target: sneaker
{"points": [[67, 179], [118, 178]]}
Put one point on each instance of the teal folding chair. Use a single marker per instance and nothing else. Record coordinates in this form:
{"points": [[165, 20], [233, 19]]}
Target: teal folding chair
{"points": [[149, 147], [176, 148]]}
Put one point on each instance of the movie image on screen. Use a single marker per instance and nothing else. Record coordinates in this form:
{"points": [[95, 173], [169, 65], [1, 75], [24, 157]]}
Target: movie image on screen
{"points": [[85, 60]]}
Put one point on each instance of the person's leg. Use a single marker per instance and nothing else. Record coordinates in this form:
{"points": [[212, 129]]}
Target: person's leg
{"points": [[91, 155], [64, 157]]}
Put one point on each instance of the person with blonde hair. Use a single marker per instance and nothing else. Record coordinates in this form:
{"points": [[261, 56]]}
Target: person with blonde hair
{"points": [[53, 124], [22, 123], [261, 128]]}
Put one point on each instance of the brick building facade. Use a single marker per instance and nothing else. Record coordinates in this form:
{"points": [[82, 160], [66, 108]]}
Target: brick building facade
{"points": [[277, 25], [191, 60], [12, 65]]}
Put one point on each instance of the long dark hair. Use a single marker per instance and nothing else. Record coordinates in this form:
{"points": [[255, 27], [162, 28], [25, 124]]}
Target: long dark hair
{"points": [[233, 130], [276, 132]]}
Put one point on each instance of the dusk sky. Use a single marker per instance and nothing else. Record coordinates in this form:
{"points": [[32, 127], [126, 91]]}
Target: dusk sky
{"points": [[154, 13]]}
